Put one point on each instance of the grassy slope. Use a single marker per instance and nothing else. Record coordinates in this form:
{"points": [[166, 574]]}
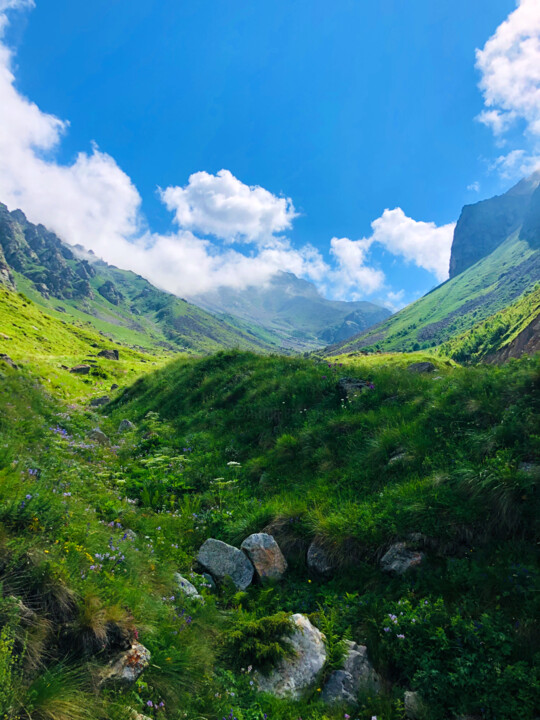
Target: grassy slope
{"points": [[43, 343], [495, 333], [435, 454], [457, 305], [167, 322]]}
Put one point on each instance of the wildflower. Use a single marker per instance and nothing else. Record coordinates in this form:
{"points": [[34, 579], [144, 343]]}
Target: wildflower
{"points": [[346, 716], [150, 703], [386, 629], [400, 636], [28, 497]]}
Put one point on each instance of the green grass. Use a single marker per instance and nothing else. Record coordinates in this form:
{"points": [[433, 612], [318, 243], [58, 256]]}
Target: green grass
{"points": [[495, 333], [236, 443], [49, 345]]}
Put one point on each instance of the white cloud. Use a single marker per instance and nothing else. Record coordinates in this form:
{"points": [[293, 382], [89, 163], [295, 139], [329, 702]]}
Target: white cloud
{"points": [[474, 187], [509, 64], [353, 276], [422, 243], [516, 163], [223, 206]]}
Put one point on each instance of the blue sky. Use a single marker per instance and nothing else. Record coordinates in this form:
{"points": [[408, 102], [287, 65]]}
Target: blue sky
{"points": [[346, 109]]}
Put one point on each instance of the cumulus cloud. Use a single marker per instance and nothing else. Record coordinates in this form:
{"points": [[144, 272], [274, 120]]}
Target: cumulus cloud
{"points": [[353, 276], [509, 64], [223, 206], [424, 244]]}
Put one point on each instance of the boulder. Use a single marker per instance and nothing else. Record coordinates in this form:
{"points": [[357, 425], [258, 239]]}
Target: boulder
{"points": [[319, 560], [414, 707], [115, 386], [357, 674], [128, 666], [126, 426], [264, 553], [80, 369], [99, 401], [109, 354], [421, 367], [222, 560], [186, 588], [398, 559], [8, 361], [296, 674], [99, 436], [349, 387]]}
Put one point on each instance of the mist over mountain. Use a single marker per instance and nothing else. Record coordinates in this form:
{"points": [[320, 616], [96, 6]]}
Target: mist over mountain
{"points": [[295, 311]]}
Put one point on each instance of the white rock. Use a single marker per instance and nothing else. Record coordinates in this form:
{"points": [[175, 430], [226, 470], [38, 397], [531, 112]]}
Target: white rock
{"points": [[294, 675], [127, 667], [186, 587]]}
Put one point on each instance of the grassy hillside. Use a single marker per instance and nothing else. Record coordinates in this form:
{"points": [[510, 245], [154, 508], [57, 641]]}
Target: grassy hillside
{"points": [[123, 305], [496, 333], [49, 346], [236, 443], [457, 305]]}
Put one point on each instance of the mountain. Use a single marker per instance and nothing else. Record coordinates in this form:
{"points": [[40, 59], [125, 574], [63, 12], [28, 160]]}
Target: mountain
{"points": [[495, 260], [484, 226], [293, 310], [75, 283]]}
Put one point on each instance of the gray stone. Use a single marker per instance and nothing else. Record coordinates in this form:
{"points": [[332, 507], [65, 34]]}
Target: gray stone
{"points": [[421, 367], [99, 436], [319, 560], [109, 354], [186, 587], [8, 361], [100, 401], [115, 386], [222, 560], [126, 426], [296, 674], [357, 674], [414, 707], [128, 666], [80, 369], [349, 387], [398, 559], [264, 553]]}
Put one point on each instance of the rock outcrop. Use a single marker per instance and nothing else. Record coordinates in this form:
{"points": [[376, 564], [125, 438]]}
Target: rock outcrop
{"points": [[109, 354], [222, 560], [99, 436], [126, 426], [421, 367], [265, 555], [357, 674], [293, 676], [80, 369], [398, 559], [319, 560], [100, 401], [128, 666]]}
